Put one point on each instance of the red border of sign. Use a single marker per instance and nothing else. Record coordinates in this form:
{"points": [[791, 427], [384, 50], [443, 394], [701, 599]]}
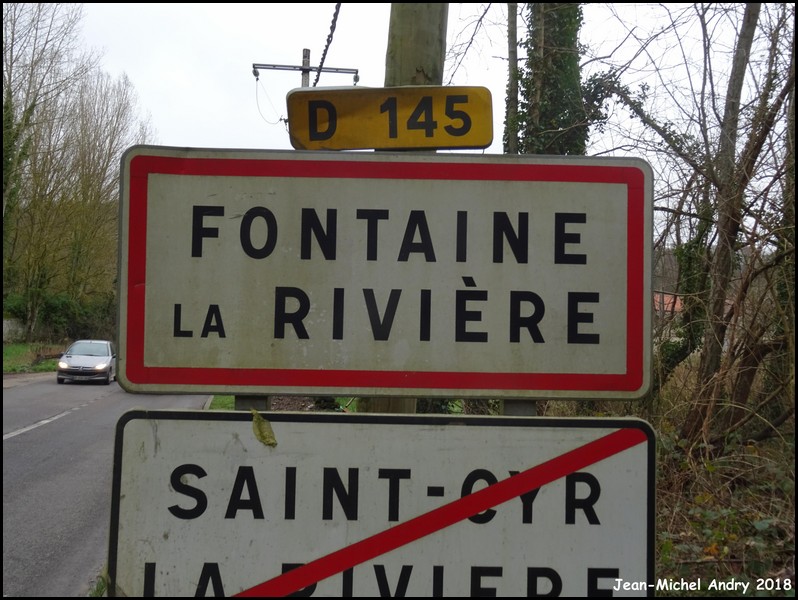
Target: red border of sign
{"points": [[142, 166]]}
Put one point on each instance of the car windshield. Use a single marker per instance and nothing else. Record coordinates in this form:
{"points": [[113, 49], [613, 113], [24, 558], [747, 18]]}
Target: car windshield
{"points": [[86, 349]]}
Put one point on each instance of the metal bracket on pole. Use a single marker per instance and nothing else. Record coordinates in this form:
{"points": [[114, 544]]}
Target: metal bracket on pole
{"points": [[305, 68], [256, 66]]}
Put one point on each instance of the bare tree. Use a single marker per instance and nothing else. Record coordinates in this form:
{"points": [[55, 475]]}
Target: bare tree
{"points": [[69, 124], [710, 95], [39, 43]]}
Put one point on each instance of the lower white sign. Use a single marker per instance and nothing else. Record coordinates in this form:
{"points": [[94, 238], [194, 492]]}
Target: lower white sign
{"points": [[335, 505]]}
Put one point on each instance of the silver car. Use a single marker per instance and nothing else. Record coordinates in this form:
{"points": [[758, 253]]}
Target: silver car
{"points": [[88, 360]]}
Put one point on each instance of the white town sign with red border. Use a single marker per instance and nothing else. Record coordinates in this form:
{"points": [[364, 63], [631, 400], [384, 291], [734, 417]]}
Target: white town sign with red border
{"points": [[334, 505], [438, 275]]}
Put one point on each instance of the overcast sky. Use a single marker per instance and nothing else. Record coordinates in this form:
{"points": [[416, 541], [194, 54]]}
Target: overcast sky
{"points": [[191, 64]]}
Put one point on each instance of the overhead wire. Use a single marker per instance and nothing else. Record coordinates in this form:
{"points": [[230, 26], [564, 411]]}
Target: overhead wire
{"points": [[280, 119], [318, 73], [257, 103]]}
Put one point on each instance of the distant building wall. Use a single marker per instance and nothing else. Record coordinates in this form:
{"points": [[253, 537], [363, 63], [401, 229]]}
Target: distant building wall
{"points": [[667, 304], [13, 331]]}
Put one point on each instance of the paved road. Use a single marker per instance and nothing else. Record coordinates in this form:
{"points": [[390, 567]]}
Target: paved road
{"points": [[57, 466]]}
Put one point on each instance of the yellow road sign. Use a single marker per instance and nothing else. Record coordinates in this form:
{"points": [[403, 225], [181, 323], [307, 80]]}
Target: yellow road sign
{"points": [[412, 117]]}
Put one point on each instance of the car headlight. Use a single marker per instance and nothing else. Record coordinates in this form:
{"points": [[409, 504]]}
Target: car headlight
{"points": [[101, 366], [62, 364]]}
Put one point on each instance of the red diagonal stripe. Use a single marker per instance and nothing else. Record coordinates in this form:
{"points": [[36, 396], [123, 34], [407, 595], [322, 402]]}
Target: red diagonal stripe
{"points": [[449, 514]]}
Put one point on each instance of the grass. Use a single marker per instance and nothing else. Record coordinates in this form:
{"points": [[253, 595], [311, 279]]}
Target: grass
{"points": [[228, 403], [222, 403], [100, 587], [30, 358]]}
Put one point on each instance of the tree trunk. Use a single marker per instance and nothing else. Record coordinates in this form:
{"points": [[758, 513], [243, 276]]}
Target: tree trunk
{"points": [[729, 209], [511, 118]]}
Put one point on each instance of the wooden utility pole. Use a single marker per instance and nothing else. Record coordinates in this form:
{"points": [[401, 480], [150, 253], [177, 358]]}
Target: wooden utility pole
{"points": [[416, 44], [415, 56]]}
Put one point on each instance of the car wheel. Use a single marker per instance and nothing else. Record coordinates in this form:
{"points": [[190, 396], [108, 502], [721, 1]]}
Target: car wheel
{"points": [[107, 379], [59, 379]]}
